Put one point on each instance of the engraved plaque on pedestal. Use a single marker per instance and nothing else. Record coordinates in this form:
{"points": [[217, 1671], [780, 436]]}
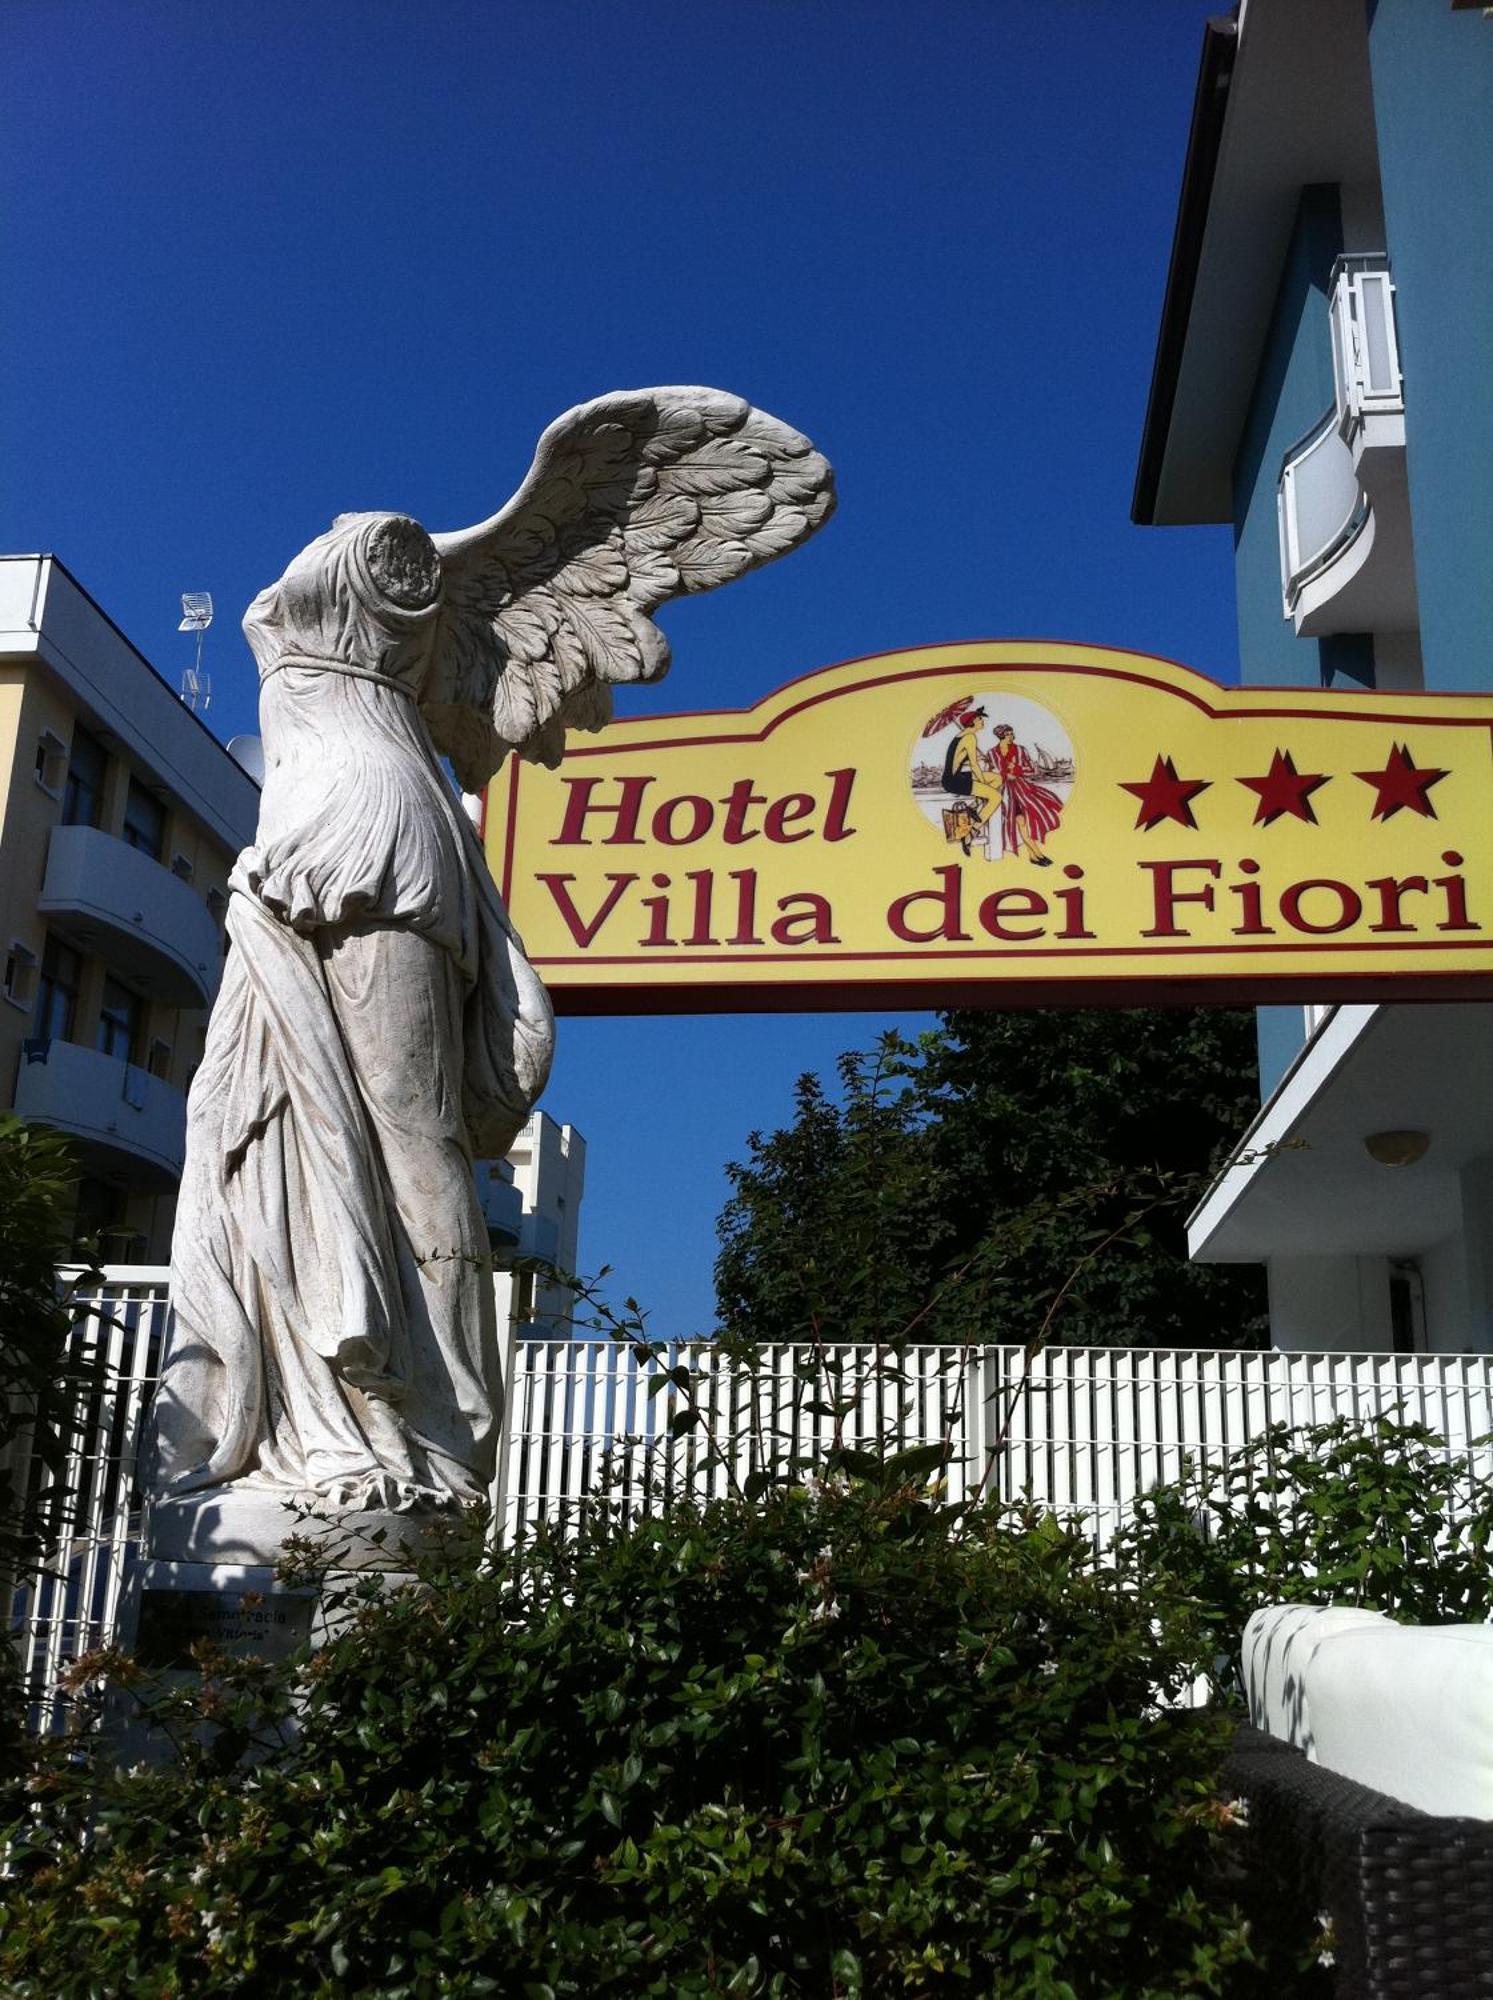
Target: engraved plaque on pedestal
{"points": [[237, 1609]]}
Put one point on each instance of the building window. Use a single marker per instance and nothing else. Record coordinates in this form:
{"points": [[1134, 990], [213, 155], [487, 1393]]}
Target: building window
{"points": [[57, 992], [20, 976], [51, 762], [83, 793], [100, 1223], [119, 1021], [100, 1207], [158, 1062], [144, 821]]}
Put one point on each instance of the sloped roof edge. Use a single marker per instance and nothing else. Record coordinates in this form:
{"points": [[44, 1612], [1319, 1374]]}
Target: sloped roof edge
{"points": [[1209, 104]]}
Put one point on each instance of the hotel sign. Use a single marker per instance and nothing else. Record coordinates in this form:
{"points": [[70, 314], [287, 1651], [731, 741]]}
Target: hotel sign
{"points": [[1009, 824]]}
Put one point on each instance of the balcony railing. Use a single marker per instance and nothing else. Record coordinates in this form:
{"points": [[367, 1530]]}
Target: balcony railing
{"points": [[1365, 350], [1345, 556], [1323, 509], [502, 1205], [119, 1115], [107, 897]]}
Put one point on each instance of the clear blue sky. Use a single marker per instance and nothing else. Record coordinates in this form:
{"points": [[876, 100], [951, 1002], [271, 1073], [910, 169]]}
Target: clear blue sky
{"points": [[268, 264]]}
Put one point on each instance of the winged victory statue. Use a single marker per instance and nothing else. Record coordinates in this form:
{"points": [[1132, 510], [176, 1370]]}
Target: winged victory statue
{"points": [[378, 1026]]}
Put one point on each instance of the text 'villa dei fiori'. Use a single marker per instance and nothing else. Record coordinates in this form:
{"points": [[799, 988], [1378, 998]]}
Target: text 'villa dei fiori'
{"points": [[991, 820]]}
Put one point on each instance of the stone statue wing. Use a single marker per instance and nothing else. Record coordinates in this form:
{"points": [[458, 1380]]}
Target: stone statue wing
{"points": [[632, 499]]}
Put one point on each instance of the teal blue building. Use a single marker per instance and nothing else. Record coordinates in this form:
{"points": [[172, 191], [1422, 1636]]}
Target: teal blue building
{"points": [[1323, 383]]}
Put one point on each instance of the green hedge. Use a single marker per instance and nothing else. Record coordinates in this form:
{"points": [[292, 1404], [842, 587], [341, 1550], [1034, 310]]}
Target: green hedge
{"points": [[840, 1740], [830, 1743]]}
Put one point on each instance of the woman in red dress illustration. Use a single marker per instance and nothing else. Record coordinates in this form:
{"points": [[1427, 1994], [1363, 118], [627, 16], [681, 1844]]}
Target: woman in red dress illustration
{"points": [[1029, 811]]}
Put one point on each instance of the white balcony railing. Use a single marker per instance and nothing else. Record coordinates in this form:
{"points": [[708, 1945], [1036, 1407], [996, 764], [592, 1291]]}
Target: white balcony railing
{"points": [[1323, 510], [1345, 558], [118, 1113], [1365, 349], [109, 898]]}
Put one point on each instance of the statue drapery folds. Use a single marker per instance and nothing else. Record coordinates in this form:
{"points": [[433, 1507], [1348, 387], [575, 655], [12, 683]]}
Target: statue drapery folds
{"points": [[378, 1025]]}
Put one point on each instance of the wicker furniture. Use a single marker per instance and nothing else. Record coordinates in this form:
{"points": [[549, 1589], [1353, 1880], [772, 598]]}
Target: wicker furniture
{"points": [[1409, 1895]]}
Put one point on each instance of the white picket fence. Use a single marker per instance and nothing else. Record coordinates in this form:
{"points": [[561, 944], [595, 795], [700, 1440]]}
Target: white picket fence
{"points": [[92, 1504], [1082, 1430]]}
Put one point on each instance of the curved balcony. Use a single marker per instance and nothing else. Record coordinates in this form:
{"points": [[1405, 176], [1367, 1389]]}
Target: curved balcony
{"points": [[1345, 547], [107, 898], [119, 1117], [502, 1205], [1326, 526]]}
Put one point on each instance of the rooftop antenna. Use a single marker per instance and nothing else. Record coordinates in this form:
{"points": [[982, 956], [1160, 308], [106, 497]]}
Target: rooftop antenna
{"points": [[196, 616]]}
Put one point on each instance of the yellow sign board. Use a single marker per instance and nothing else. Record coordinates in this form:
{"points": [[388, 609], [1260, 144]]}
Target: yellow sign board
{"points": [[1009, 823]]}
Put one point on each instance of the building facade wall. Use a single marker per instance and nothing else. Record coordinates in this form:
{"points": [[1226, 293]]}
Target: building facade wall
{"points": [[65, 668], [1397, 162], [548, 1163], [1291, 391], [1329, 1302], [1432, 75]]}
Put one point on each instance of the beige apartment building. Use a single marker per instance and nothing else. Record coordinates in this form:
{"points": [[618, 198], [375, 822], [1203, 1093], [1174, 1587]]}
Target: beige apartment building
{"points": [[120, 817]]}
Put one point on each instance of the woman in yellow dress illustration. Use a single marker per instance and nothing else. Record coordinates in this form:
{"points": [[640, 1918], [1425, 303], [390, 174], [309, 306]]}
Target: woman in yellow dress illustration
{"points": [[965, 773]]}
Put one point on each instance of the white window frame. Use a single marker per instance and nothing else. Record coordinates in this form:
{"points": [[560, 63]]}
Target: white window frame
{"points": [[54, 752], [21, 959]]}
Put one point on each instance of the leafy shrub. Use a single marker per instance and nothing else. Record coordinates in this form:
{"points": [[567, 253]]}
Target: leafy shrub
{"points": [[41, 1380], [840, 1741], [44, 1381], [1377, 1513]]}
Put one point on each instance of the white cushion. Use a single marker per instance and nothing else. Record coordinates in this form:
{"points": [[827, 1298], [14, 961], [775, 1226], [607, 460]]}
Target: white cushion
{"points": [[1279, 1644], [1408, 1710]]}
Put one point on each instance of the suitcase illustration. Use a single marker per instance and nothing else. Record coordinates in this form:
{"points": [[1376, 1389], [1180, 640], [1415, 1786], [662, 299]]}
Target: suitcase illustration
{"points": [[961, 823]]}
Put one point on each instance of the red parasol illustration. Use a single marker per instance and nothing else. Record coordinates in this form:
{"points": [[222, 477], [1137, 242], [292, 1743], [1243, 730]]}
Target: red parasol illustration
{"points": [[947, 715]]}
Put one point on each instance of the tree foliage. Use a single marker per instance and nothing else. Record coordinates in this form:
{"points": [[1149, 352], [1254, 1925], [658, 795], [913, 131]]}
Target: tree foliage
{"points": [[43, 1380], [959, 1188], [42, 1377]]}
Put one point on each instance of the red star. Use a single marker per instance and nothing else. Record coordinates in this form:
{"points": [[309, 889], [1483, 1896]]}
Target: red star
{"points": [[1284, 789], [1165, 796], [1401, 784]]}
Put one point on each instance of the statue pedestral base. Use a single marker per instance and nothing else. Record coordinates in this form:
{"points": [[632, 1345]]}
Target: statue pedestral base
{"points": [[171, 1610], [241, 1610], [174, 1610], [239, 1525]]}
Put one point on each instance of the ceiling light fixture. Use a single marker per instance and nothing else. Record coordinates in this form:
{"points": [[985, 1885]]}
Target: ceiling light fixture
{"points": [[1397, 1149]]}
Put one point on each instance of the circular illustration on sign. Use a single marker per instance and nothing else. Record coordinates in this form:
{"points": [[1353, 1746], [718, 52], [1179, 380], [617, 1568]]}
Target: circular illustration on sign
{"points": [[992, 772]]}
